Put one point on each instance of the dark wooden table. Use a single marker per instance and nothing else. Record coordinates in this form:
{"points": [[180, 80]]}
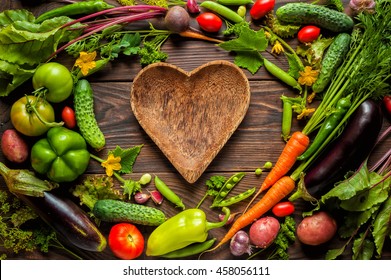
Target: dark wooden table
{"points": [[257, 139]]}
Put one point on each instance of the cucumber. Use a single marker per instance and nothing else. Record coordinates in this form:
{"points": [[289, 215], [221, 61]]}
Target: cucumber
{"points": [[323, 17], [83, 100], [331, 61], [110, 210]]}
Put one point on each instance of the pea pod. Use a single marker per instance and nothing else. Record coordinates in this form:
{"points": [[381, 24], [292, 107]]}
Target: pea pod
{"points": [[168, 193], [227, 187], [78, 8], [85, 116], [234, 2], [287, 114], [281, 74], [330, 123], [236, 198], [222, 11], [193, 249]]}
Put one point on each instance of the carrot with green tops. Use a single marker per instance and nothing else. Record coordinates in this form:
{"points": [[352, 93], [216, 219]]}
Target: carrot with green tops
{"points": [[280, 189], [295, 146]]}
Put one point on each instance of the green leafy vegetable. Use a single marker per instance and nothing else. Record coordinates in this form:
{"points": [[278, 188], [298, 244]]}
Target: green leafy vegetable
{"points": [[94, 188], [313, 52], [247, 47]]}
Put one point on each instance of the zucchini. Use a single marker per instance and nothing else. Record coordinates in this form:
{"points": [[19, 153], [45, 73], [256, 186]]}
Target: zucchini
{"points": [[85, 117], [110, 210], [68, 220], [305, 13], [332, 59]]}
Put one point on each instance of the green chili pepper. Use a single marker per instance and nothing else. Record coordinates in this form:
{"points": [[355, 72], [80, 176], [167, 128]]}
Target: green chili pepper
{"points": [[235, 199], [222, 11], [328, 126], [190, 250], [85, 7], [227, 187], [281, 74], [185, 228], [168, 193], [287, 114]]}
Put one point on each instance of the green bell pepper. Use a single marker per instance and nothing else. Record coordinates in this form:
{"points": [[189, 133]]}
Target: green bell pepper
{"points": [[181, 230], [62, 155]]}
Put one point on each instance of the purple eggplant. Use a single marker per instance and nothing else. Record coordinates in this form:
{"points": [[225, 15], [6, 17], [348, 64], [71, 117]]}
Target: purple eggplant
{"points": [[347, 152], [68, 220]]}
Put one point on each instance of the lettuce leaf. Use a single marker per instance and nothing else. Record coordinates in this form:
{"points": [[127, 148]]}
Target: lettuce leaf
{"points": [[25, 44]]}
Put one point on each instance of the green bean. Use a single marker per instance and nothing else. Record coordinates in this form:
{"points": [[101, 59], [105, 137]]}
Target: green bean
{"points": [[281, 74], [193, 249], [228, 186], [236, 198], [287, 114], [168, 193], [234, 2], [222, 11], [78, 8]]}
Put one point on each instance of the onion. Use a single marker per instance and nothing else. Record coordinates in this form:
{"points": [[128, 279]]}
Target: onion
{"points": [[240, 244]]}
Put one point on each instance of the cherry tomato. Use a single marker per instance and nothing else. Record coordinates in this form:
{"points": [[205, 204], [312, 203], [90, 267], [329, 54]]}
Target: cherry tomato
{"points": [[56, 79], [68, 117], [126, 241], [261, 8], [308, 34], [26, 121], [284, 208], [209, 22], [387, 105]]}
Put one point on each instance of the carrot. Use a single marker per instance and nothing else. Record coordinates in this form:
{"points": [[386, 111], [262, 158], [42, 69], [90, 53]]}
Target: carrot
{"points": [[295, 146], [278, 191], [197, 35]]}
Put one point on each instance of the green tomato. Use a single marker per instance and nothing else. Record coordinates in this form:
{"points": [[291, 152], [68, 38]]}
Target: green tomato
{"points": [[56, 79], [26, 121]]}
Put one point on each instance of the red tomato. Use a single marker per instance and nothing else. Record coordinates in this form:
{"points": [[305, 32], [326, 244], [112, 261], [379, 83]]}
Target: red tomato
{"points": [[209, 22], [308, 34], [387, 105], [261, 8], [126, 241], [284, 208], [68, 117]]}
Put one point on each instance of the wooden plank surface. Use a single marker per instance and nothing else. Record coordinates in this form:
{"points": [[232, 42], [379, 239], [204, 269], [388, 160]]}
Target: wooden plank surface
{"points": [[256, 140]]}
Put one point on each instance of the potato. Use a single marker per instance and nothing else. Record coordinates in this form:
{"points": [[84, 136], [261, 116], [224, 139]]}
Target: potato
{"points": [[263, 231], [316, 229], [14, 147]]}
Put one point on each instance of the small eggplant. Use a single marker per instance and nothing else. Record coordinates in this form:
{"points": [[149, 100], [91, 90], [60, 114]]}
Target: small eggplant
{"points": [[347, 152], [68, 220]]}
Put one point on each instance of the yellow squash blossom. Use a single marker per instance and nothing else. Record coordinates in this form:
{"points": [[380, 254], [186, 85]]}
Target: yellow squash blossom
{"points": [[86, 62], [308, 76], [277, 48], [305, 113], [112, 163]]}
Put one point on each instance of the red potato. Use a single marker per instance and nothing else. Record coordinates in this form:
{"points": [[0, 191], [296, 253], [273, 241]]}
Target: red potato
{"points": [[316, 229], [14, 147], [263, 231]]}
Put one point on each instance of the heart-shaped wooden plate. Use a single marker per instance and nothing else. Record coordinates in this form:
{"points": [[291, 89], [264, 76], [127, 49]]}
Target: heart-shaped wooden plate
{"points": [[190, 115]]}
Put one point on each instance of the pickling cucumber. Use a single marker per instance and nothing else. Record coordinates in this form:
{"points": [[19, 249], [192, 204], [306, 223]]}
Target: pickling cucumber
{"points": [[331, 61], [110, 210], [323, 17], [83, 100]]}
